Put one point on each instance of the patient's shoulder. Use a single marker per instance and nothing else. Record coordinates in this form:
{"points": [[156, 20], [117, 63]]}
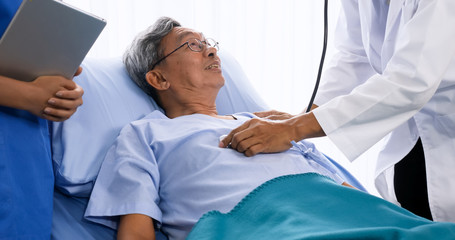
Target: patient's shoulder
{"points": [[155, 115], [145, 122]]}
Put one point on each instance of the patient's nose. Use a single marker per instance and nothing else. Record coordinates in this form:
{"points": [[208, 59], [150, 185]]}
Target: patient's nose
{"points": [[211, 51]]}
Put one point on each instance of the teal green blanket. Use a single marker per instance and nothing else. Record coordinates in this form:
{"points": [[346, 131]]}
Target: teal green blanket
{"points": [[311, 206]]}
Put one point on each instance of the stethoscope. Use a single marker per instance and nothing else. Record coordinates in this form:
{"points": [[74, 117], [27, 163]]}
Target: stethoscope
{"points": [[321, 63]]}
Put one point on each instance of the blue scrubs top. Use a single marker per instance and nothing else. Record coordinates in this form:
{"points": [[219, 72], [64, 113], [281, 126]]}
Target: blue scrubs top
{"points": [[26, 175]]}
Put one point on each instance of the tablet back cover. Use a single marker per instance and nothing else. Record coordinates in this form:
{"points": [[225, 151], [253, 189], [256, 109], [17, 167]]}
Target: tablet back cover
{"points": [[47, 37]]}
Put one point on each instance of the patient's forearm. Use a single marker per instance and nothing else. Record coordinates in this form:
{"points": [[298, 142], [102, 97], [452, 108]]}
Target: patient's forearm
{"points": [[136, 227]]}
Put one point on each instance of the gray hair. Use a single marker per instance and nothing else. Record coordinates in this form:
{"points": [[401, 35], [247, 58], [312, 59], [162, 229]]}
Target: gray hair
{"points": [[144, 51]]}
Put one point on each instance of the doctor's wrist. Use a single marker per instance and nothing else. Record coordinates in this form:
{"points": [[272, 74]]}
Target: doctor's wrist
{"points": [[305, 126]]}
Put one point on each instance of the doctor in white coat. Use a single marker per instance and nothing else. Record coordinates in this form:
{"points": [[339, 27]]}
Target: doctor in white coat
{"points": [[393, 78]]}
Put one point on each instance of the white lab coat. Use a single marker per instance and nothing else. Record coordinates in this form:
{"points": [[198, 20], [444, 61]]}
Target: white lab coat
{"points": [[394, 79]]}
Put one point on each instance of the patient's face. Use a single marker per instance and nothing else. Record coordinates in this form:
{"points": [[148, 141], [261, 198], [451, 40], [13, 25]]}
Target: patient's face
{"points": [[187, 70]]}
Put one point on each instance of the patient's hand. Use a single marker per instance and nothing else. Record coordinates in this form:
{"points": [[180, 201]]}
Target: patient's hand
{"points": [[273, 115]]}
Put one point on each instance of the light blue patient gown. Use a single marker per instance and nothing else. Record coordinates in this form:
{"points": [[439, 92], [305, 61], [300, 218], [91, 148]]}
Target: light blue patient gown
{"points": [[173, 171], [26, 175]]}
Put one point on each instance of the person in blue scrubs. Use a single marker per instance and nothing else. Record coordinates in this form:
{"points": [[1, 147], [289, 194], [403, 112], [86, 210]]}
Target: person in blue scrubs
{"points": [[26, 174]]}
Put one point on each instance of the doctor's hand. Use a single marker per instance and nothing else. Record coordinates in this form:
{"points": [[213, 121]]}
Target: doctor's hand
{"points": [[55, 98], [264, 136], [259, 136], [273, 115]]}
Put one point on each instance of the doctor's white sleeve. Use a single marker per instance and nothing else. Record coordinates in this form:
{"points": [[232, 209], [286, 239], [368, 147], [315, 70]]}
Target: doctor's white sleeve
{"points": [[423, 52]]}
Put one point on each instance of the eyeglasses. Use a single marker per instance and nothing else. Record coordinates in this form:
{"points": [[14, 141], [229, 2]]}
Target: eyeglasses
{"points": [[194, 45]]}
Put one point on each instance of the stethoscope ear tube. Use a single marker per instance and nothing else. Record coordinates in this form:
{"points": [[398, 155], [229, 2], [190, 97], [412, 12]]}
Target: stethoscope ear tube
{"points": [[321, 63]]}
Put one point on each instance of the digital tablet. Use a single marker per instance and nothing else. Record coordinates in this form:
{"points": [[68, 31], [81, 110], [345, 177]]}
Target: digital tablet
{"points": [[47, 37]]}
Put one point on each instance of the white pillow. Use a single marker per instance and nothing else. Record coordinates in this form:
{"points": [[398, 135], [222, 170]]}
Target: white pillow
{"points": [[111, 100]]}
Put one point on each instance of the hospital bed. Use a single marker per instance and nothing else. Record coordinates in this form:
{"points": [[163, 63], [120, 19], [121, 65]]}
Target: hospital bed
{"points": [[112, 100]]}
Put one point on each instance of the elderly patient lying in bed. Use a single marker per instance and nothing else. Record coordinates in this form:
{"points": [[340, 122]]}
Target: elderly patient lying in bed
{"points": [[167, 170], [168, 167]]}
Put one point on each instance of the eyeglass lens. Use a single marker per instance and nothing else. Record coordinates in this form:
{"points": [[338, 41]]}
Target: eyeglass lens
{"points": [[197, 45]]}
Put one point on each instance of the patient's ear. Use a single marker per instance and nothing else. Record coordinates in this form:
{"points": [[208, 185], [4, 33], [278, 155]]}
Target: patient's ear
{"points": [[157, 80]]}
